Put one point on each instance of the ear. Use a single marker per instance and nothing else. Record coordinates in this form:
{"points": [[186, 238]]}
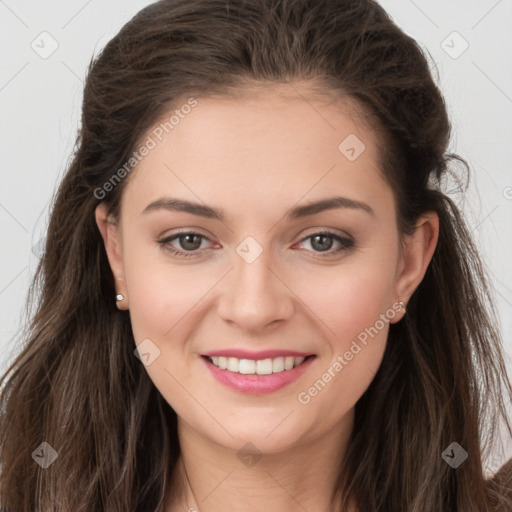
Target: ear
{"points": [[112, 239], [416, 254]]}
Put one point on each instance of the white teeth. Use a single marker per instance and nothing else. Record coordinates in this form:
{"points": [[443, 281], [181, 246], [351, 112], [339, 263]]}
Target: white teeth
{"points": [[247, 366], [264, 367], [258, 367], [278, 365], [233, 363]]}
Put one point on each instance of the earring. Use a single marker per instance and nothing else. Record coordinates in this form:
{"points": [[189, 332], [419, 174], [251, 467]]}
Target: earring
{"points": [[121, 302], [402, 306]]}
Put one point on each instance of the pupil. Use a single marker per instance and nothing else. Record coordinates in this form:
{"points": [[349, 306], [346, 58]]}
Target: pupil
{"points": [[326, 241], [187, 240]]}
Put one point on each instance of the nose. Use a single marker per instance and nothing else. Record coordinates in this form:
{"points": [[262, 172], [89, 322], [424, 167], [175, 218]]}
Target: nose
{"points": [[254, 296]]}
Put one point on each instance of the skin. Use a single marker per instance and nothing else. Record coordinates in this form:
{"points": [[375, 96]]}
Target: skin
{"points": [[256, 156]]}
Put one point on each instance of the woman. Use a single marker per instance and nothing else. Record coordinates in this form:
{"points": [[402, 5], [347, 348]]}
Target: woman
{"points": [[255, 294]]}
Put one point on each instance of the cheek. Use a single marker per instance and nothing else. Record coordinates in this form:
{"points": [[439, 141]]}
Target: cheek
{"points": [[162, 296], [354, 305], [164, 301], [357, 314], [351, 298]]}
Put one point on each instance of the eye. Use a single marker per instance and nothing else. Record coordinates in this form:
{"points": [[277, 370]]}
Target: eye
{"points": [[190, 243], [323, 241]]}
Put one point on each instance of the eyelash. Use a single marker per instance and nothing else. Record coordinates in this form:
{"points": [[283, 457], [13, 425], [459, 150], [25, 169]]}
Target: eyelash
{"points": [[347, 244]]}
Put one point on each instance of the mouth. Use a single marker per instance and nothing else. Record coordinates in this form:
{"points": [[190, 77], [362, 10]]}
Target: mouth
{"points": [[257, 376], [260, 367]]}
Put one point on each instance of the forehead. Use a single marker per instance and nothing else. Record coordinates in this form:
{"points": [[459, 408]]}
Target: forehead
{"points": [[278, 143]]}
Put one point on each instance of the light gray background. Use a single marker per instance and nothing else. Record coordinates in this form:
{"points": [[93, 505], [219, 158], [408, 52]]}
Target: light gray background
{"points": [[40, 101]]}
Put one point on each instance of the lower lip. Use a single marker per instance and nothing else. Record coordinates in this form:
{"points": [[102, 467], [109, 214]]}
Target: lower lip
{"points": [[257, 384]]}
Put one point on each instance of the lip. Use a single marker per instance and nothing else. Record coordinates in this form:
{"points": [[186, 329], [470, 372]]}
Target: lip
{"points": [[264, 354], [253, 384]]}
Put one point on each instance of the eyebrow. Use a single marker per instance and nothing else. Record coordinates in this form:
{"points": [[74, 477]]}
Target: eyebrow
{"points": [[182, 205]]}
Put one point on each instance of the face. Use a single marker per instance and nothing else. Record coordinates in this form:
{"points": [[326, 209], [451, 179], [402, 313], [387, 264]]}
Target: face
{"points": [[255, 277]]}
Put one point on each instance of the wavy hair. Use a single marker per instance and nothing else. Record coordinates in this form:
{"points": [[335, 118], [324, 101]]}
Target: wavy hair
{"points": [[75, 383]]}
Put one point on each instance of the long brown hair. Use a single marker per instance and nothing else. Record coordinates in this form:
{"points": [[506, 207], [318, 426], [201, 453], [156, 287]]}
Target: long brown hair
{"points": [[76, 384]]}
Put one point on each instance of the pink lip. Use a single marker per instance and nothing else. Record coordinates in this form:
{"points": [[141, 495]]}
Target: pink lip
{"points": [[265, 354], [257, 384]]}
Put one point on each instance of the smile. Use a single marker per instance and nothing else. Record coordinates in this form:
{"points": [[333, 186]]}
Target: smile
{"points": [[257, 367], [257, 376]]}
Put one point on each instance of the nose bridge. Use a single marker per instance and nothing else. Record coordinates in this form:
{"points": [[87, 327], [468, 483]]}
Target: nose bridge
{"points": [[254, 278], [254, 296]]}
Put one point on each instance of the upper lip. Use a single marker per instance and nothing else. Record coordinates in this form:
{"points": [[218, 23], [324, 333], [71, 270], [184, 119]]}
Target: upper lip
{"points": [[264, 354]]}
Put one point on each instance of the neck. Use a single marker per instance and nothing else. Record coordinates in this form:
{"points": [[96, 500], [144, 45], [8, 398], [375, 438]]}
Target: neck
{"points": [[209, 477]]}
